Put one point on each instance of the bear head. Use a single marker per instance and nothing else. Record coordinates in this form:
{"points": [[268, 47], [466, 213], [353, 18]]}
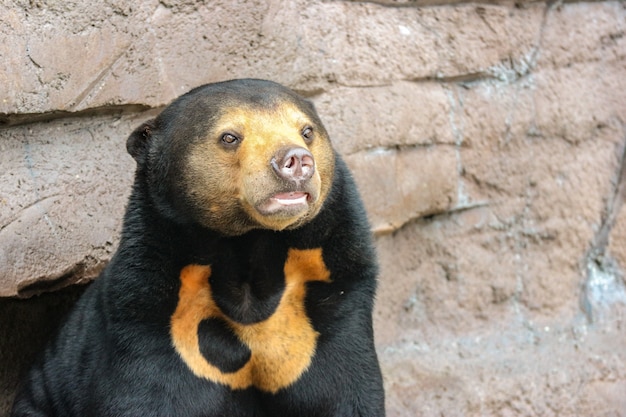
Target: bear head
{"points": [[236, 156]]}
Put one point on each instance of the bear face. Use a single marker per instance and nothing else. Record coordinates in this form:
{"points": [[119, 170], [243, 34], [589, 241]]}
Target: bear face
{"points": [[255, 156]]}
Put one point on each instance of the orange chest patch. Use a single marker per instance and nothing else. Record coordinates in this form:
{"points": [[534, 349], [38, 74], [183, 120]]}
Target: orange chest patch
{"points": [[282, 346]]}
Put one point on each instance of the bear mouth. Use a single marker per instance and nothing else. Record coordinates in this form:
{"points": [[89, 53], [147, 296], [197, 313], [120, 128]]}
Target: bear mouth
{"points": [[286, 202]]}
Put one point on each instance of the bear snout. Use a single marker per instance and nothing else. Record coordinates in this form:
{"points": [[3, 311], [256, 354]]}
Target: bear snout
{"points": [[293, 164]]}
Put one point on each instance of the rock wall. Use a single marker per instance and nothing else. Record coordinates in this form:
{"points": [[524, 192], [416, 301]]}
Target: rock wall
{"points": [[488, 141]]}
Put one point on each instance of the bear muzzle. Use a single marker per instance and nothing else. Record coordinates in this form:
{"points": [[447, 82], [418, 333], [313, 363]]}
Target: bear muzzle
{"points": [[297, 185]]}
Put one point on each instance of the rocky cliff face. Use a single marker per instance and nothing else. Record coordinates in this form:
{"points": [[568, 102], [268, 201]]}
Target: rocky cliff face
{"points": [[487, 139]]}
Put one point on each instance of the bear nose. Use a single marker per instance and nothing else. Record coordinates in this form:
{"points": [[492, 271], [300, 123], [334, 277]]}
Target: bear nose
{"points": [[293, 164]]}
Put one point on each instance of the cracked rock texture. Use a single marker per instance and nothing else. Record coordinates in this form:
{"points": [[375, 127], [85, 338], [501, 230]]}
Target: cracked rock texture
{"points": [[488, 140]]}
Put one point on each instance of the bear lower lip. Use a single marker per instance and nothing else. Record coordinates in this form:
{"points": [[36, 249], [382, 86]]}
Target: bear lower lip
{"points": [[289, 202], [291, 198]]}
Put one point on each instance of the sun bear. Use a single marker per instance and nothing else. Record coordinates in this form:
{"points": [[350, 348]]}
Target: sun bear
{"points": [[244, 280]]}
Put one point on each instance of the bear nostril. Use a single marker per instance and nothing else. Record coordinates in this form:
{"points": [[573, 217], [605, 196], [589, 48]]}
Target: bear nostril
{"points": [[294, 164], [307, 161], [290, 162]]}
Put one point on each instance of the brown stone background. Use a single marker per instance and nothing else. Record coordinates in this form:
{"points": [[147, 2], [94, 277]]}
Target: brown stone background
{"points": [[487, 138]]}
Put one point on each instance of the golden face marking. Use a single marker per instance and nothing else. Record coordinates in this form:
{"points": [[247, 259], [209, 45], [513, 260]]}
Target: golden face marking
{"points": [[233, 183], [282, 346]]}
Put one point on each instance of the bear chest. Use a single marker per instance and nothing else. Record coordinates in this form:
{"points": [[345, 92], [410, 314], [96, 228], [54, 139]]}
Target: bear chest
{"points": [[270, 354]]}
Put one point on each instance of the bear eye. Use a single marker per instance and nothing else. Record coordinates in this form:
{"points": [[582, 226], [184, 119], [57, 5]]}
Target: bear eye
{"points": [[307, 133], [229, 139]]}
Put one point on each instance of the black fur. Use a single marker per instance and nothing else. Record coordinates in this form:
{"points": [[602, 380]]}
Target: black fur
{"points": [[114, 355], [220, 346]]}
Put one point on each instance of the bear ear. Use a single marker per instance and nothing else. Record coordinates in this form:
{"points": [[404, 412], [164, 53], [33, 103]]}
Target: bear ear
{"points": [[137, 143]]}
